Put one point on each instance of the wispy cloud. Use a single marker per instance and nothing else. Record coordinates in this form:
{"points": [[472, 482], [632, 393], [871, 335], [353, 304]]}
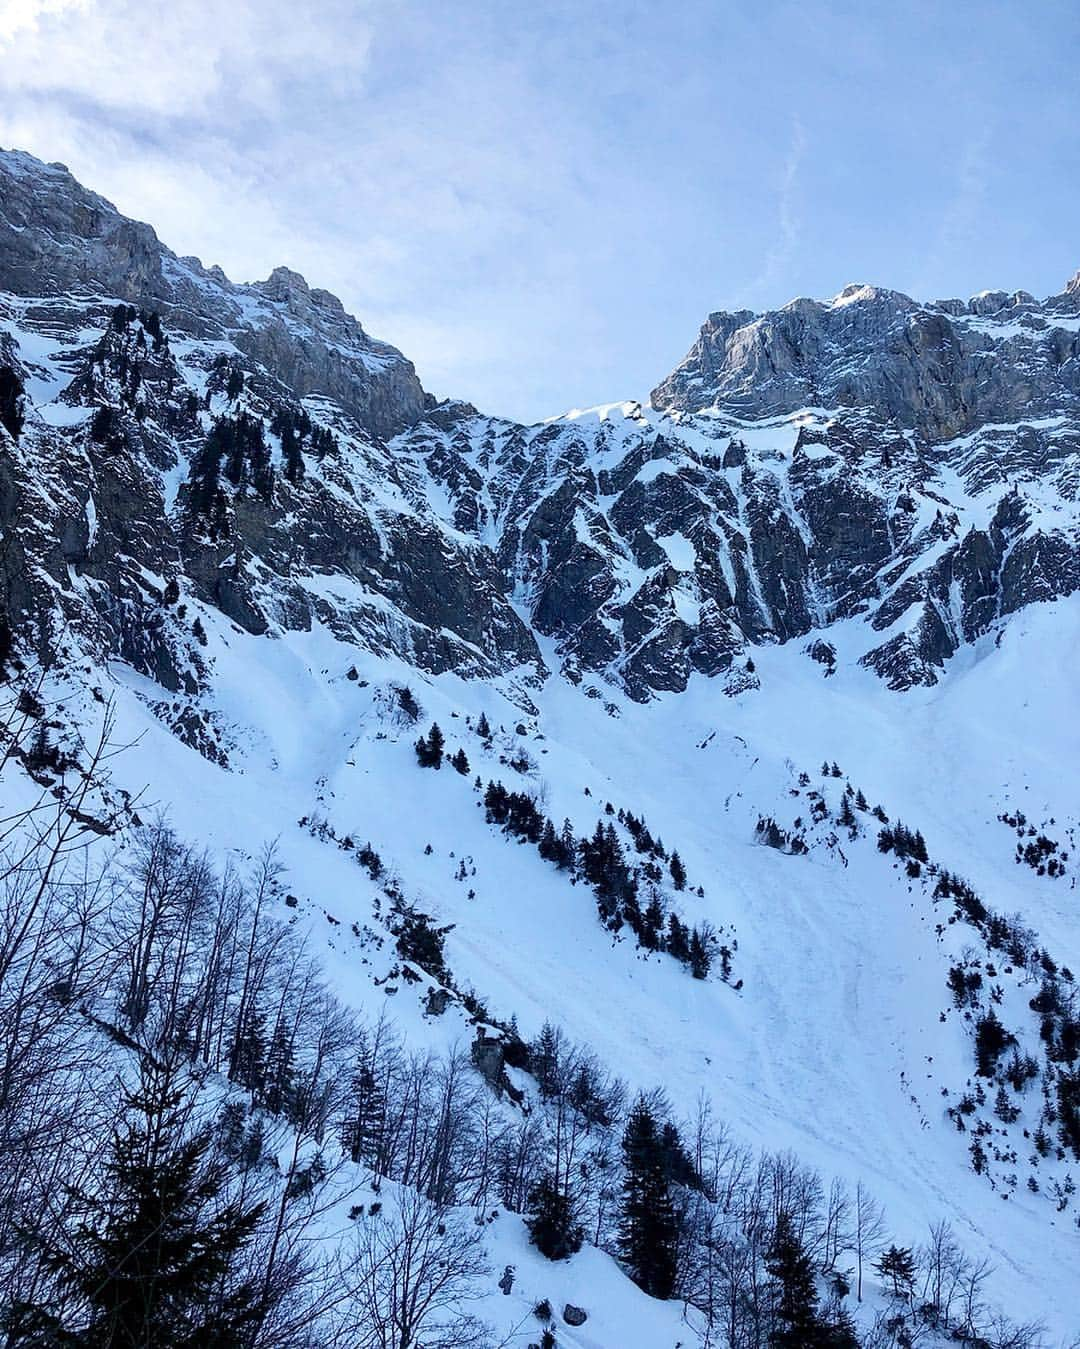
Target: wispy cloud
{"points": [[788, 226], [964, 213]]}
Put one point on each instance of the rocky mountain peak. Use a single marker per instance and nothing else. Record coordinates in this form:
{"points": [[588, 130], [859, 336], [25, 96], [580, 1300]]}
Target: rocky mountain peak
{"points": [[289, 288], [862, 293], [317, 308], [284, 284], [854, 290], [939, 369], [907, 468], [57, 237]]}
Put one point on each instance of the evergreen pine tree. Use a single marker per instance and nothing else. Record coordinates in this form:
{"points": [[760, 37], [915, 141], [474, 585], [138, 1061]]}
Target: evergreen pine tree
{"points": [[897, 1264], [796, 1324], [234, 456], [279, 1074], [149, 1255], [1004, 1109], [700, 955], [568, 847], [678, 872], [652, 924], [206, 474], [365, 1122], [407, 702], [648, 1227], [1068, 1103], [248, 1066], [677, 943], [42, 753], [549, 843], [840, 1332], [291, 455], [544, 1060], [678, 1166], [551, 1223], [592, 857], [429, 750], [991, 1041]]}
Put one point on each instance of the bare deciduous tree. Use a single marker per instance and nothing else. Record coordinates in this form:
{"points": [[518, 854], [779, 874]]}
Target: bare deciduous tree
{"points": [[416, 1268], [869, 1231]]}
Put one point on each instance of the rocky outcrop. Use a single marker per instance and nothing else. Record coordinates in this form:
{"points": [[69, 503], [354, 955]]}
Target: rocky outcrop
{"points": [[105, 543], [941, 369], [57, 238]]}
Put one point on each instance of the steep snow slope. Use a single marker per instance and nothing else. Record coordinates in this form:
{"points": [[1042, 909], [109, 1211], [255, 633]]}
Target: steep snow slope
{"points": [[834, 1044]]}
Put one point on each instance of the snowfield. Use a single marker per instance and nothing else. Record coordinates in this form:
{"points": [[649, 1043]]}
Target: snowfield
{"points": [[835, 1046]]}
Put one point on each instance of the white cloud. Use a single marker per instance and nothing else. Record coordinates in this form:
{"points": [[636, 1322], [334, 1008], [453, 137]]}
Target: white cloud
{"points": [[18, 16], [788, 227], [167, 59]]}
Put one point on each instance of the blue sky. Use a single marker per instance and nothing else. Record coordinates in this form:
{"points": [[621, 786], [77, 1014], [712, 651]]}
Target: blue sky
{"points": [[541, 202]]}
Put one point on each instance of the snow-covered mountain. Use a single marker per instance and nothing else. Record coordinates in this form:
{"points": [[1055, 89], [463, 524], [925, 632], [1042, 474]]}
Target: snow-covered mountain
{"points": [[821, 583]]}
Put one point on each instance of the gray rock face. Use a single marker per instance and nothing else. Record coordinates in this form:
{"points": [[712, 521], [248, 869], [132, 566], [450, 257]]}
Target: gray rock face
{"points": [[912, 470], [939, 369], [102, 546], [653, 547], [56, 237]]}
